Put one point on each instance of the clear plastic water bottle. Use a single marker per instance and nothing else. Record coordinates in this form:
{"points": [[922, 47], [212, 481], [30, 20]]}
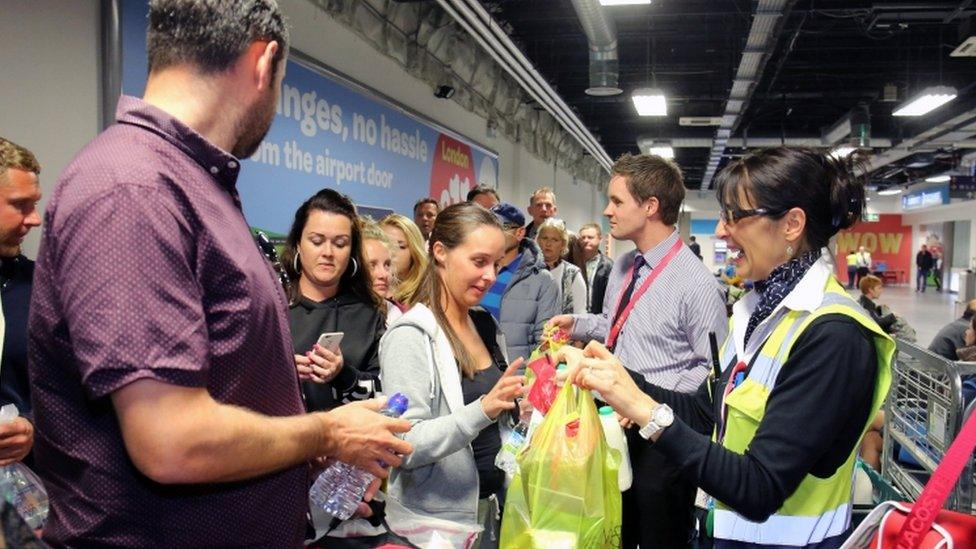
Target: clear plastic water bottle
{"points": [[340, 488], [20, 486], [506, 460]]}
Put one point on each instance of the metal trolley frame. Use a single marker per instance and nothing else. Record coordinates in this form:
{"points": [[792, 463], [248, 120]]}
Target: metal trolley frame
{"points": [[923, 414]]}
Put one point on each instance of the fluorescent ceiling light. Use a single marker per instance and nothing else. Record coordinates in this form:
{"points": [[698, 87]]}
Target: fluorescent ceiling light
{"points": [[842, 151], [623, 2], [650, 102], [927, 101], [664, 151], [890, 192], [938, 179]]}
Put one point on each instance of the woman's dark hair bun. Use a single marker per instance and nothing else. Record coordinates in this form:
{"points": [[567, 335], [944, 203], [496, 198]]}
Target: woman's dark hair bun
{"points": [[828, 189], [847, 198]]}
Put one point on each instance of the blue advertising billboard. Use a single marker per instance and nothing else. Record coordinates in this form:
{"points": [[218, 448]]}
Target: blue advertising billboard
{"points": [[332, 132]]}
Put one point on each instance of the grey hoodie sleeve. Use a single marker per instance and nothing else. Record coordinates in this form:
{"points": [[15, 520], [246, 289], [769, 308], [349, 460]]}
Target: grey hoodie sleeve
{"points": [[405, 365]]}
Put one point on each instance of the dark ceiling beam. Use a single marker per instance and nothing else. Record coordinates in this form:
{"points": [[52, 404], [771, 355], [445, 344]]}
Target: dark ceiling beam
{"points": [[958, 11], [933, 17], [830, 93], [943, 6]]}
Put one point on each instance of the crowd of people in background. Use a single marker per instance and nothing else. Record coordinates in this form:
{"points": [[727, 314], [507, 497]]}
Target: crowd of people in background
{"points": [[165, 374]]}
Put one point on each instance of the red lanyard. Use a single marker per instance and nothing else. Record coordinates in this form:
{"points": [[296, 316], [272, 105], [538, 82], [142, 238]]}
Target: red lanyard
{"points": [[656, 270]]}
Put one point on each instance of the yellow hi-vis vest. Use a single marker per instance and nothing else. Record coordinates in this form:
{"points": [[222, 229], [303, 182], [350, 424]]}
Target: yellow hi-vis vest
{"points": [[820, 507]]}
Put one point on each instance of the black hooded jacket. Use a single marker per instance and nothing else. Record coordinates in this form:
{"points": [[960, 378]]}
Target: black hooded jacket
{"points": [[363, 325]]}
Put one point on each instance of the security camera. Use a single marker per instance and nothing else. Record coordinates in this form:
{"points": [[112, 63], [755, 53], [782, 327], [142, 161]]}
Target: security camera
{"points": [[444, 92]]}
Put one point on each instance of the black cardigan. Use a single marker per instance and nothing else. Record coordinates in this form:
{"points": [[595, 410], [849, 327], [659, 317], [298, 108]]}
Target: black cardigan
{"points": [[813, 420], [363, 325]]}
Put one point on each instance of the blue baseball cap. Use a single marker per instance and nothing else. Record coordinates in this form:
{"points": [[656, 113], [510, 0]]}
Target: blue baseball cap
{"points": [[508, 215]]}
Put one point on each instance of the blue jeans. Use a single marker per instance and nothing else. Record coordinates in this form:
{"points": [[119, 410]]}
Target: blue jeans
{"points": [[923, 274]]}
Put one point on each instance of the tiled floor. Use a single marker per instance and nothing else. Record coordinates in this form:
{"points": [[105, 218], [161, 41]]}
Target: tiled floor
{"points": [[927, 312]]}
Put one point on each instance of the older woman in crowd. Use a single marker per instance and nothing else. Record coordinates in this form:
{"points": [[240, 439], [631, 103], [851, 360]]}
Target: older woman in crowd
{"points": [[553, 240]]}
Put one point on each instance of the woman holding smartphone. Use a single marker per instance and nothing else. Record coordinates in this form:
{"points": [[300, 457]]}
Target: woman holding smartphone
{"points": [[446, 356], [331, 292]]}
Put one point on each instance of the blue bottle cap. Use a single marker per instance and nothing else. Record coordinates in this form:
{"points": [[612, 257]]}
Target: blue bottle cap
{"points": [[397, 404], [605, 410], [561, 366]]}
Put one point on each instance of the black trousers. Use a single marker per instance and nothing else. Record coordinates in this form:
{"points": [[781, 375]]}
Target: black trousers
{"points": [[659, 507]]}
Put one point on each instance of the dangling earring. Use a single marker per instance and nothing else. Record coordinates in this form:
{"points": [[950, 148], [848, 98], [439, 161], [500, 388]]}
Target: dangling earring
{"points": [[297, 269], [355, 266], [789, 251]]}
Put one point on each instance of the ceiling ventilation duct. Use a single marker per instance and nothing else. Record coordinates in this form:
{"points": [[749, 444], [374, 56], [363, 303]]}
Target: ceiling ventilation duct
{"points": [[763, 36], [601, 34]]}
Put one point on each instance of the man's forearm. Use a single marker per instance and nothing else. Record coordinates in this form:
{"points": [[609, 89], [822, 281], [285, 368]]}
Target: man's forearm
{"points": [[240, 444], [179, 435]]}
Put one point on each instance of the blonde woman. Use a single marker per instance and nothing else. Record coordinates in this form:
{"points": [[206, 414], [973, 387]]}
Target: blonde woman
{"points": [[409, 256], [379, 251]]}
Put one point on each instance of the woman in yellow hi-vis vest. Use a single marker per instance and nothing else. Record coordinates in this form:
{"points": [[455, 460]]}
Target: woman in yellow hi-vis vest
{"points": [[772, 434]]}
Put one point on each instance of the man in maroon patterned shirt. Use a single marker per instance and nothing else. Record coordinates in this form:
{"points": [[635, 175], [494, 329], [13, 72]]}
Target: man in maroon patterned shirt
{"points": [[166, 397]]}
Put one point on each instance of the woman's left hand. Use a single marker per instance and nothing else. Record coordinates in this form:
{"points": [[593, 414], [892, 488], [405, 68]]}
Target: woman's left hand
{"points": [[602, 372], [325, 364]]}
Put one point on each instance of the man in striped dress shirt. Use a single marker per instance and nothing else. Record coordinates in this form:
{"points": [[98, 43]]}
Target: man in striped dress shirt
{"points": [[662, 330]]}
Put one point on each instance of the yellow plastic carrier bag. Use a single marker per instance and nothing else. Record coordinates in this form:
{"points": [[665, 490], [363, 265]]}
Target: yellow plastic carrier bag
{"points": [[566, 493]]}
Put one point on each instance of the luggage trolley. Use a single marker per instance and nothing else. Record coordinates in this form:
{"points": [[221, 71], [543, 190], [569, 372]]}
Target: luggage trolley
{"points": [[923, 414]]}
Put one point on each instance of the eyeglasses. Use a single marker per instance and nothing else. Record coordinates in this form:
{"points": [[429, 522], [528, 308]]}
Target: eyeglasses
{"points": [[732, 216]]}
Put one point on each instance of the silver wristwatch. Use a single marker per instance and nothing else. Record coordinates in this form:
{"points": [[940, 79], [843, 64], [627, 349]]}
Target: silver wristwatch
{"points": [[661, 417]]}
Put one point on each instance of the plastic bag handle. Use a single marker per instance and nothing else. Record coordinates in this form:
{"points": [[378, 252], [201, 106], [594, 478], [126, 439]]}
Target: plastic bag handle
{"points": [[926, 509]]}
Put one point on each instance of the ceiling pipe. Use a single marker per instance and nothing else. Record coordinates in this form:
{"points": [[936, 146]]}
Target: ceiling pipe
{"points": [[749, 143], [601, 34], [959, 126], [763, 36], [489, 35]]}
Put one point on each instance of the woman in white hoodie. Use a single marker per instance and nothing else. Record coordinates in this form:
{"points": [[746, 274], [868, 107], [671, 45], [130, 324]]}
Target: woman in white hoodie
{"points": [[447, 356]]}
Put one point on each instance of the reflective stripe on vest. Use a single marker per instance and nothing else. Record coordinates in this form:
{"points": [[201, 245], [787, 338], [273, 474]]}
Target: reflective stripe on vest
{"points": [[820, 507]]}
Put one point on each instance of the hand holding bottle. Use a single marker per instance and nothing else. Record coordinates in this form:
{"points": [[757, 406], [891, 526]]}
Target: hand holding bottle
{"points": [[16, 440]]}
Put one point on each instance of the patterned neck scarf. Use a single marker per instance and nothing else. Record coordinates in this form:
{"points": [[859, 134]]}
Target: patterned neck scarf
{"points": [[777, 286]]}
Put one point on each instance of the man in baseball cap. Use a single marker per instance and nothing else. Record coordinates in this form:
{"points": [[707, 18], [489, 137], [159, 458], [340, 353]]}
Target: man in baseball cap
{"points": [[523, 313]]}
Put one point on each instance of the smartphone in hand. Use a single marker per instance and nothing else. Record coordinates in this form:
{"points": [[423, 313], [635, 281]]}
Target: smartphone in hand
{"points": [[330, 341]]}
